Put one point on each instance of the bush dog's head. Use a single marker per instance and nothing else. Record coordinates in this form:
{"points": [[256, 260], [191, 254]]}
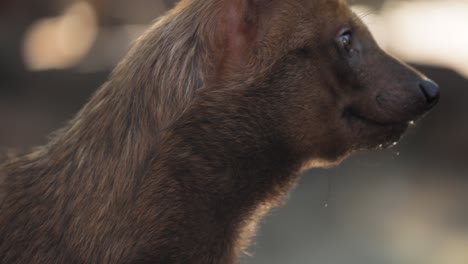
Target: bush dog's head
{"points": [[333, 90]]}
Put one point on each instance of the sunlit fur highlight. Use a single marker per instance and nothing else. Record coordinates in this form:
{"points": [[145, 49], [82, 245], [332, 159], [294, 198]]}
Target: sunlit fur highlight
{"points": [[120, 128]]}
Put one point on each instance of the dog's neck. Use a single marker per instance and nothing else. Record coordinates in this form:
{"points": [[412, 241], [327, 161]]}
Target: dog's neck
{"points": [[229, 168]]}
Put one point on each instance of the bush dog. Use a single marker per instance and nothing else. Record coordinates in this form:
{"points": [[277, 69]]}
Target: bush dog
{"points": [[203, 127]]}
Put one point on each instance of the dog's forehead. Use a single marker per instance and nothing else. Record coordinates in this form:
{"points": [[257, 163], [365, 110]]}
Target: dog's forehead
{"points": [[324, 9], [327, 4]]}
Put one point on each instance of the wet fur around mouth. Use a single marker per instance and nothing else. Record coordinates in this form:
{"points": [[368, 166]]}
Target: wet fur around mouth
{"points": [[385, 134]]}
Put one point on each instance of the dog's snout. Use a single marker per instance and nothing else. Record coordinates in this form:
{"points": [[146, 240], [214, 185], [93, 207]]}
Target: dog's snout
{"points": [[431, 92]]}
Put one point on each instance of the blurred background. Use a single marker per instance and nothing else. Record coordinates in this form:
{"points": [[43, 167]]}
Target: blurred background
{"points": [[406, 205]]}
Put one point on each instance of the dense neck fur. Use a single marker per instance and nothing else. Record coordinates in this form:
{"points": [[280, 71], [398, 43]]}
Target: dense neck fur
{"points": [[142, 162], [193, 195], [227, 167]]}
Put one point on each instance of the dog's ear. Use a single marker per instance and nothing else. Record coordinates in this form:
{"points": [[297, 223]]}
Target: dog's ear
{"points": [[241, 25]]}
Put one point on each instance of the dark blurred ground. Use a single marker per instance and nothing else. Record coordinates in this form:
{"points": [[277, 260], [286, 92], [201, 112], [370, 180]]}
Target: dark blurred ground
{"points": [[404, 205]]}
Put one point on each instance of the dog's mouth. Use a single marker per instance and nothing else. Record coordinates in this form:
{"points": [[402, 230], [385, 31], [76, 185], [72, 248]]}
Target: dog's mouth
{"points": [[373, 132], [353, 115]]}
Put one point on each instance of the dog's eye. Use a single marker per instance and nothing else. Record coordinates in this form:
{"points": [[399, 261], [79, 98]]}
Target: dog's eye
{"points": [[345, 41]]}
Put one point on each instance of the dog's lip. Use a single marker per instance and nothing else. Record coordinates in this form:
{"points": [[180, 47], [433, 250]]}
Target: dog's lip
{"points": [[350, 112]]}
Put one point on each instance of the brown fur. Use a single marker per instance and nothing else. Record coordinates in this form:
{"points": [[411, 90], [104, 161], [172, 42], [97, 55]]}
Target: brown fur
{"points": [[203, 127]]}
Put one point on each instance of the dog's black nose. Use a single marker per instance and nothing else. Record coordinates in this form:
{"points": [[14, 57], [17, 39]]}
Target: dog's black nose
{"points": [[431, 92]]}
